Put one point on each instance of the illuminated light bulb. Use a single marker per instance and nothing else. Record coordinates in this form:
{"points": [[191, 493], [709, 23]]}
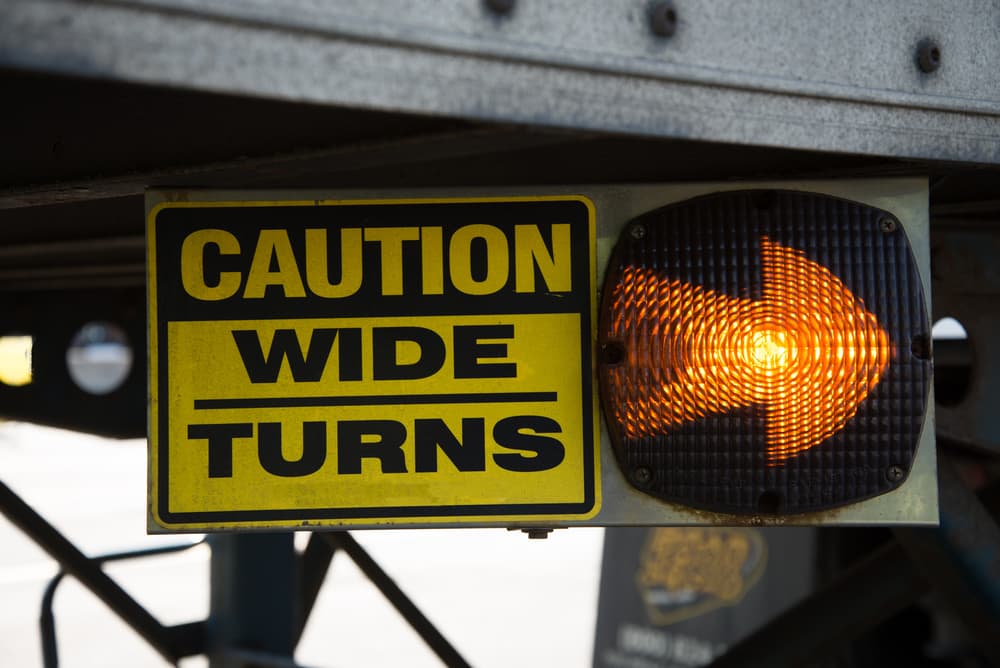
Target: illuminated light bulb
{"points": [[769, 349], [715, 353]]}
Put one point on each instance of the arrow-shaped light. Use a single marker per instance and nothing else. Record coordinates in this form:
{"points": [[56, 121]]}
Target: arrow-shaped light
{"points": [[808, 352]]}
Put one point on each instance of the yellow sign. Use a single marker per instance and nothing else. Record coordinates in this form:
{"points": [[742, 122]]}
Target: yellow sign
{"points": [[329, 362]]}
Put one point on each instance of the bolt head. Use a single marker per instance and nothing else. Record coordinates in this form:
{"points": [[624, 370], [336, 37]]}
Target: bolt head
{"points": [[637, 231], [663, 19], [500, 6], [537, 534], [894, 473], [928, 56], [888, 224], [642, 475]]}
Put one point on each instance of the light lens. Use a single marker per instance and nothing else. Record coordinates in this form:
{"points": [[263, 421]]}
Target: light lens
{"points": [[752, 336]]}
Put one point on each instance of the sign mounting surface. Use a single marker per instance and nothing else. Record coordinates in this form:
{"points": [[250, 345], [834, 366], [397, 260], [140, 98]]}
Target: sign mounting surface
{"points": [[408, 361]]}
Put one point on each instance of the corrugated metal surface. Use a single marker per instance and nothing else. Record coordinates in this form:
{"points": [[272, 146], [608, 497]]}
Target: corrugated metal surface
{"points": [[832, 76]]}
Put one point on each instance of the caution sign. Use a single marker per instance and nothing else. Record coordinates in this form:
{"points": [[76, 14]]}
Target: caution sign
{"points": [[327, 362]]}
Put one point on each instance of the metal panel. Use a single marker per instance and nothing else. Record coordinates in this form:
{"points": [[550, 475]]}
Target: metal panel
{"points": [[913, 503], [830, 76]]}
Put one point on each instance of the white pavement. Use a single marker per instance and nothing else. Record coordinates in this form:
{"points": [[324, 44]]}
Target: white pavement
{"points": [[502, 599]]}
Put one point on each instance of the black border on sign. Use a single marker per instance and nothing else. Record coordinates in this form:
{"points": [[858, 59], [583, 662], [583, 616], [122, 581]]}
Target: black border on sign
{"points": [[519, 512]]}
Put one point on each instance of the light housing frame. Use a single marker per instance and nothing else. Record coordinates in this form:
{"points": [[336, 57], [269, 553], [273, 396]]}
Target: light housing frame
{"points": [[764, 351]]}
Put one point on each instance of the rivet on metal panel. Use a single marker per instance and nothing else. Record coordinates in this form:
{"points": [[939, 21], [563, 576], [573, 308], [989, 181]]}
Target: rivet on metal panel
{"points": [[663, 19], [500, 6], [928, 56]]}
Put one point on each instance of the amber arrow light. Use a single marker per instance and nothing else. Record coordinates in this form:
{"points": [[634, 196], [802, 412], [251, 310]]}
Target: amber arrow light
{"points": [[808, 351], [764, 351]]}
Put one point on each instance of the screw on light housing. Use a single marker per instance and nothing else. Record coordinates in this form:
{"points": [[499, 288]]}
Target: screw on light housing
{"points": [[642, 475]]}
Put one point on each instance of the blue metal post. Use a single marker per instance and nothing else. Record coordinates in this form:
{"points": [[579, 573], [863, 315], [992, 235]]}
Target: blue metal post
{"points": [[253, 599]]}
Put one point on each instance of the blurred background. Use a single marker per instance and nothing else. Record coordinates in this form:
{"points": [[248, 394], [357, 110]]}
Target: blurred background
{"points": [[499, 597]]}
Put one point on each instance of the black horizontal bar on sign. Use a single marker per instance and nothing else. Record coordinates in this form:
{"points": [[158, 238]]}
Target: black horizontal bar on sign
{"points": [[377, 400]]}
